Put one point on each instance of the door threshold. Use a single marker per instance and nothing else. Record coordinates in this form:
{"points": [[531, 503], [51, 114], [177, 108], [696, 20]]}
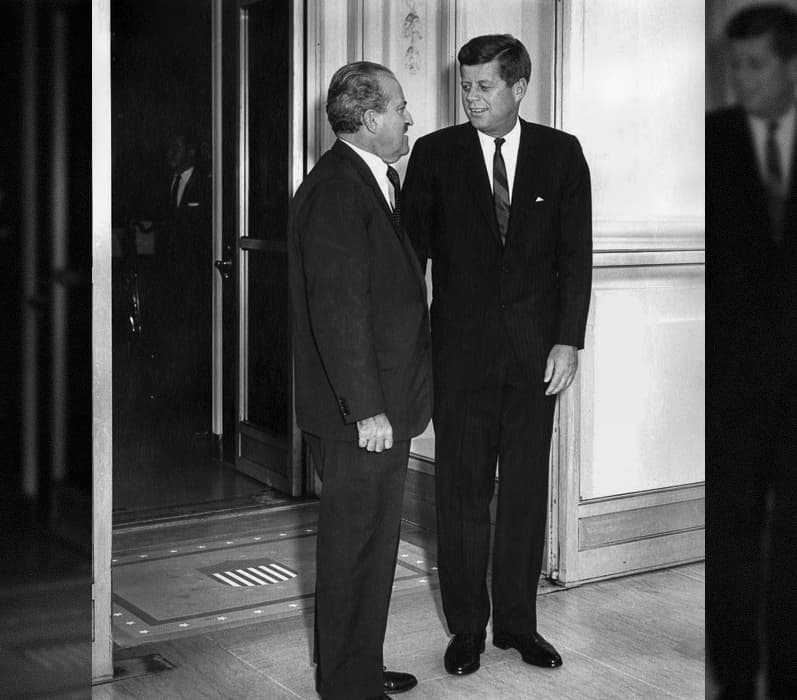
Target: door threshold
{"points": [[129, 521]]}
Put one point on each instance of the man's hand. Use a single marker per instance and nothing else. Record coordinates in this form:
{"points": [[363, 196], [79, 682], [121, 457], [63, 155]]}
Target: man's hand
{"points": [[560, 368], [376, 433]]}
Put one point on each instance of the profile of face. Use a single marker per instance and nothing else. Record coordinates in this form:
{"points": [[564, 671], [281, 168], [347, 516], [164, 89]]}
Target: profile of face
{"points": [[764, 83], [490, 104], [390, 127]]}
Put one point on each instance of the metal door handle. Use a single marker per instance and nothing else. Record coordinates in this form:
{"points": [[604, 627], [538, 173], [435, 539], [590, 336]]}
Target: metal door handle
{"points": [[224, 267]]}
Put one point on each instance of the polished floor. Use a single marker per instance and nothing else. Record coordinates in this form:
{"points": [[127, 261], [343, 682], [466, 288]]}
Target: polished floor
{"points": [[165, 466], [639, 636], [265, 571]]}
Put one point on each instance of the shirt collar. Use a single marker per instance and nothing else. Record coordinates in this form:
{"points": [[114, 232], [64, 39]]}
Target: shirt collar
{"points": [[511, 138], [185, 174], [785, 123], [376, 165]]}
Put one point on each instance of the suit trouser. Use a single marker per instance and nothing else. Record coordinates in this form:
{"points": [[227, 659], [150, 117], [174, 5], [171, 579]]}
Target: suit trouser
{"points": [[510, 422], [752, 459], [358, 535]]}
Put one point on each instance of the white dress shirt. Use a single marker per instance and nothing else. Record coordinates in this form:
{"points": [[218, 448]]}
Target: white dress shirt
{"points": [[377, 166], [509, 151], [784, 136], [185, 176]]}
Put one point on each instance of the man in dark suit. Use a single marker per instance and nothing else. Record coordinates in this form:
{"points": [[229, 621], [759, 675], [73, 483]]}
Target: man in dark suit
{"points": [[182, 301], [502, 207], [363, 370], [751, 223]]}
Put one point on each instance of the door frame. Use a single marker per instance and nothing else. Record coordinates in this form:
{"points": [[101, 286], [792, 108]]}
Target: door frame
{"points": [[101, 343]]}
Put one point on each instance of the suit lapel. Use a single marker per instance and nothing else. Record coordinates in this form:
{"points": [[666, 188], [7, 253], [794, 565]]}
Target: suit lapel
{"points": [[791, 197], [367, 176], [188, 190], [750, 172], [529, 182], [747, 158], [473, 162]]}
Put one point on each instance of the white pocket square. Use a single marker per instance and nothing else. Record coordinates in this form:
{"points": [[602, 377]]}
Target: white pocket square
{"points": [[539, 199], [192, 204]]}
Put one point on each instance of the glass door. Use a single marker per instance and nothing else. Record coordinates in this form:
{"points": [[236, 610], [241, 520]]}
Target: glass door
{"points": [[270, 164]]}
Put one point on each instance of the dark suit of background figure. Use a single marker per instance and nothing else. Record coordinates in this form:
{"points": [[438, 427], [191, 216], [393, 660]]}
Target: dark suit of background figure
{"points": [[496, 313], [181, 302], [752, 412], [361, 347]]}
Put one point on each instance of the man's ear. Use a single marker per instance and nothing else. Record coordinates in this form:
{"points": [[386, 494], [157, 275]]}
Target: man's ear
{"points": [[369, 120], [519, 89]]}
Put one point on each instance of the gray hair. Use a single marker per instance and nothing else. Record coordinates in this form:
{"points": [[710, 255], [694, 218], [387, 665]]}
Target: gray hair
{"points": [[353, 90]]}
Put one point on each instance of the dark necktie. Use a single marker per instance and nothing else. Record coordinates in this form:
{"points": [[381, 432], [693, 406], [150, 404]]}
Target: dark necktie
{"points": [[175, 190], [393, 176], [500, 190], [774, 182]]}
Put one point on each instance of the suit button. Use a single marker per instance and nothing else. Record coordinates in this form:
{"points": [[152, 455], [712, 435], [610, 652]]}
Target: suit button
{"points": [[503, 307], [504, 268]]}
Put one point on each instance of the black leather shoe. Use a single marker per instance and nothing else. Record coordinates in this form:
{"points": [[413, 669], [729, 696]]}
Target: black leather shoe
{"points": [[532, 647], [462, 654], [397, 682]]}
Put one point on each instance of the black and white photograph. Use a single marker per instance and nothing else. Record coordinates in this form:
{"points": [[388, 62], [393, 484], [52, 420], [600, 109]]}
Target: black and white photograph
{"points": [[357, 349]]}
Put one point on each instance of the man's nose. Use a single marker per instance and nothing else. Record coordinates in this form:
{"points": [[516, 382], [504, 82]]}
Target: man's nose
{"points": [[408, 120]]}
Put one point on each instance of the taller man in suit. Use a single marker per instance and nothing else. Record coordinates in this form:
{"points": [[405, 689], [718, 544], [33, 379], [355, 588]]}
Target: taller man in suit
{"points": [[751, 224], [363, 370], [502, 207]]}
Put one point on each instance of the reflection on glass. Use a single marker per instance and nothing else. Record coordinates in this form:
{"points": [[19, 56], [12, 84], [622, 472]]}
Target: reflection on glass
{"points": [[269, 124]]}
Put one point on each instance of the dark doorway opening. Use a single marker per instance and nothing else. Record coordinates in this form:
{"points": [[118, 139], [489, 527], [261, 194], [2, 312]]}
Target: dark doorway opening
{"points": [[167, 460]]}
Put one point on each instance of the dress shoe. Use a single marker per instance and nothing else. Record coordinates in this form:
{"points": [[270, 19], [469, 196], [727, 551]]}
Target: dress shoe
{"points": [[397, 682], [532, 647], [462, 654]]}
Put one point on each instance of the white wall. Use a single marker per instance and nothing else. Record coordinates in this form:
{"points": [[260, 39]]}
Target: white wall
{"points": [[642, 381], [627, 78], [633, 87]]}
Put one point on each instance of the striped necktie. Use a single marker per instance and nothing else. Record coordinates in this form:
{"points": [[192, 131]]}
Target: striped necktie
{"points": [[500, 190], [774, 182], [393, 176]]}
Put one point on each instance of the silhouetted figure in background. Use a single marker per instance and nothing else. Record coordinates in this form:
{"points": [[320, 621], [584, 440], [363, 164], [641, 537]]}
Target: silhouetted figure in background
{"points": [[751, 207], [180, 299]]}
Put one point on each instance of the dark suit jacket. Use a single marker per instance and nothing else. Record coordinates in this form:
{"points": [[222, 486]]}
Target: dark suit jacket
{"points": [[194, 207], [751, 282], [534, 291], [186, 257], [360, 322]]}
